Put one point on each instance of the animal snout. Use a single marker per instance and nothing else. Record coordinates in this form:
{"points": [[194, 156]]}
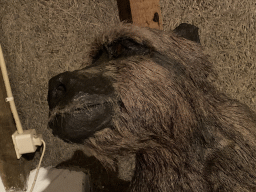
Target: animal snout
{"points": [[66, 87], [60, 87]]}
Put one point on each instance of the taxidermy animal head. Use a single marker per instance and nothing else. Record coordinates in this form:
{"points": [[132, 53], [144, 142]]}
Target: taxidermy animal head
{"points": [[147, 92]]}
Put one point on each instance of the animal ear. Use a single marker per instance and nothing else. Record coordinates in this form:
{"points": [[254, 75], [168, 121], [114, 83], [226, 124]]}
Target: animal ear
{"points": [[187, 31], [122, 47]]}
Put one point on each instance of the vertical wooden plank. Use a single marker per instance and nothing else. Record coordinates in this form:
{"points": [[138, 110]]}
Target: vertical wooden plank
{"points": [[12, 171], [145, 13], [124, 10]]}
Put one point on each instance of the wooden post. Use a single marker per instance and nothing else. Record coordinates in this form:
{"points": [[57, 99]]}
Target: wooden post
{"points": [[145, 13], [12, 170]]}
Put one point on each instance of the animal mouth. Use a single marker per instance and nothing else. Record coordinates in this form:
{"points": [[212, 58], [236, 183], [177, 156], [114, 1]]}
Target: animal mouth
{"points": [[76, 123], [89, 107]]}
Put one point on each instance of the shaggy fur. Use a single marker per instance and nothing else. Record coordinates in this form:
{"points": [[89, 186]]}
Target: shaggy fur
{"points": [[185, 134]]}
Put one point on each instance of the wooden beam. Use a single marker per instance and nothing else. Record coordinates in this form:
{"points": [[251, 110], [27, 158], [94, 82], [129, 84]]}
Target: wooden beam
{"points": [[144, 13], [12, 171]]}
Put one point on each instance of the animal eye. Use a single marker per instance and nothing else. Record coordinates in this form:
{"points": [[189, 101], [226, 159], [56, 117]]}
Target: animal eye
{"points": [[97, 56]]}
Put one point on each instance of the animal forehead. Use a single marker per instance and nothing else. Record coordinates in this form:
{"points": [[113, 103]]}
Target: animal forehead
{"points": [[148, 64], [122, 47], [91, 70]]}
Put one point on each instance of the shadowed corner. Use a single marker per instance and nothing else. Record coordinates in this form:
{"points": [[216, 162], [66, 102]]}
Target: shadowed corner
{"points": [[101, 179]]}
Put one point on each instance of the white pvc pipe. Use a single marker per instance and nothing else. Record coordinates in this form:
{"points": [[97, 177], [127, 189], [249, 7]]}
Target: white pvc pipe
{"points": [[9, 93]]}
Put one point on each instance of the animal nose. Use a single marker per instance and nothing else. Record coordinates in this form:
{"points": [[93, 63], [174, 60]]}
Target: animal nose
{"points": [[58, 88], [67, 86]]}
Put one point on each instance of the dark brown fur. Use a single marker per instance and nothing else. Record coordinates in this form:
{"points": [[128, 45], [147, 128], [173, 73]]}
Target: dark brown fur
{"points": [[185, 134]]}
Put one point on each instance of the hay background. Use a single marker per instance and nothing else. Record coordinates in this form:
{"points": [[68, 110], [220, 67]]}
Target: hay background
{"points": [[43, 38]]}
